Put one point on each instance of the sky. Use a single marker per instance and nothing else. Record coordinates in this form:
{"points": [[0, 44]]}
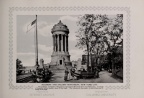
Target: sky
{"points": [[25, 40]]}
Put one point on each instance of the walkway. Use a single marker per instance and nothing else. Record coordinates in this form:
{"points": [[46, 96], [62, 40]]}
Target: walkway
{"points": [[105, 77]]}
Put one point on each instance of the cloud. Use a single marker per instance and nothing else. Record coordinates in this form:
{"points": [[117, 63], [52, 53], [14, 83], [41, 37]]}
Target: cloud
{"points": [[30, 55], [42, 24], [27, 28], [70, 21], [28, 59], [45, 48], [26, 54], [76, 54], [45, 29]]}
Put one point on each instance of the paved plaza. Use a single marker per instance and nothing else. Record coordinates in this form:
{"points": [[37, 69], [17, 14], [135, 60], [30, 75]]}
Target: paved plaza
{"points": [[104, 77]]}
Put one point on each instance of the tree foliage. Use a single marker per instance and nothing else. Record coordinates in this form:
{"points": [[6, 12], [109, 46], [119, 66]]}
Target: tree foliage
{"points": [[18, 64], [99, 35]]}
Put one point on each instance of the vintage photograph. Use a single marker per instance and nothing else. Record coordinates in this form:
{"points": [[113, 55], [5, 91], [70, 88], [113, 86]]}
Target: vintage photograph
{"points": [[85, 48]]}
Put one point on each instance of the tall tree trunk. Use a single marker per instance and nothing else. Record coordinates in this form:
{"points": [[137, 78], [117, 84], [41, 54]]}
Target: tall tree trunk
{"points": [[88, 58], [112, 58], [90, 62], [91, 58], [112, 67]]}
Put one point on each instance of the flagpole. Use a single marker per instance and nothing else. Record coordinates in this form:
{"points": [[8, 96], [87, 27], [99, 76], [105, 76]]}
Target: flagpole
{"points": [[36, 44]]}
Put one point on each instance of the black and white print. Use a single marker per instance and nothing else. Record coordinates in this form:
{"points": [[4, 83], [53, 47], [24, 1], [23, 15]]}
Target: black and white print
{"points": [[85, 48]]}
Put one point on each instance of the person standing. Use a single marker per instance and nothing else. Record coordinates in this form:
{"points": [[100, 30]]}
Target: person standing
{"points": [[72, 72], [97, 72], [66, 74], [69, 75]]}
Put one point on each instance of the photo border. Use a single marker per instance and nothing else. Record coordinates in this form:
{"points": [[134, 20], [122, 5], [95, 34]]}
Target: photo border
{"points": [[76, 8]]}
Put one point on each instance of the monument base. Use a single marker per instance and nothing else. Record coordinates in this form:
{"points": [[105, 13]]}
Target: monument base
{"points": [[60, 60]]}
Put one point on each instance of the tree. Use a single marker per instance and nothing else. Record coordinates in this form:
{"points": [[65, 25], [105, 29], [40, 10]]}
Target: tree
{"points": [[18, 66], [89, 33], [99, 35], [115, 31]]}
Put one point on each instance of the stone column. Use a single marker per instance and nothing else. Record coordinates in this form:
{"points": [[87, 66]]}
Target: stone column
{"points": [[61, 42], [53, 42], [57, 42], [67, 43]]}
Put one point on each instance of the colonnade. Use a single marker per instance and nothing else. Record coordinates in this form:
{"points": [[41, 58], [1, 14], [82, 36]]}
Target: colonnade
{"points": [[60, 43]]}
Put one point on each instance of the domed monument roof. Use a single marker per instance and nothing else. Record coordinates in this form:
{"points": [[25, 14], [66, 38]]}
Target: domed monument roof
{"points": [[60, 27]]}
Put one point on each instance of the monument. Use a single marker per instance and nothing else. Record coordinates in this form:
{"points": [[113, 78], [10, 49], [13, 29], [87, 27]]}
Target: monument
{"points": [[60, 57]]}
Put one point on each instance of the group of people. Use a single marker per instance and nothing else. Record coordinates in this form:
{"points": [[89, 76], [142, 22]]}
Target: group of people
{"points": [[70, 74], [41, 75], [75, 74]]}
